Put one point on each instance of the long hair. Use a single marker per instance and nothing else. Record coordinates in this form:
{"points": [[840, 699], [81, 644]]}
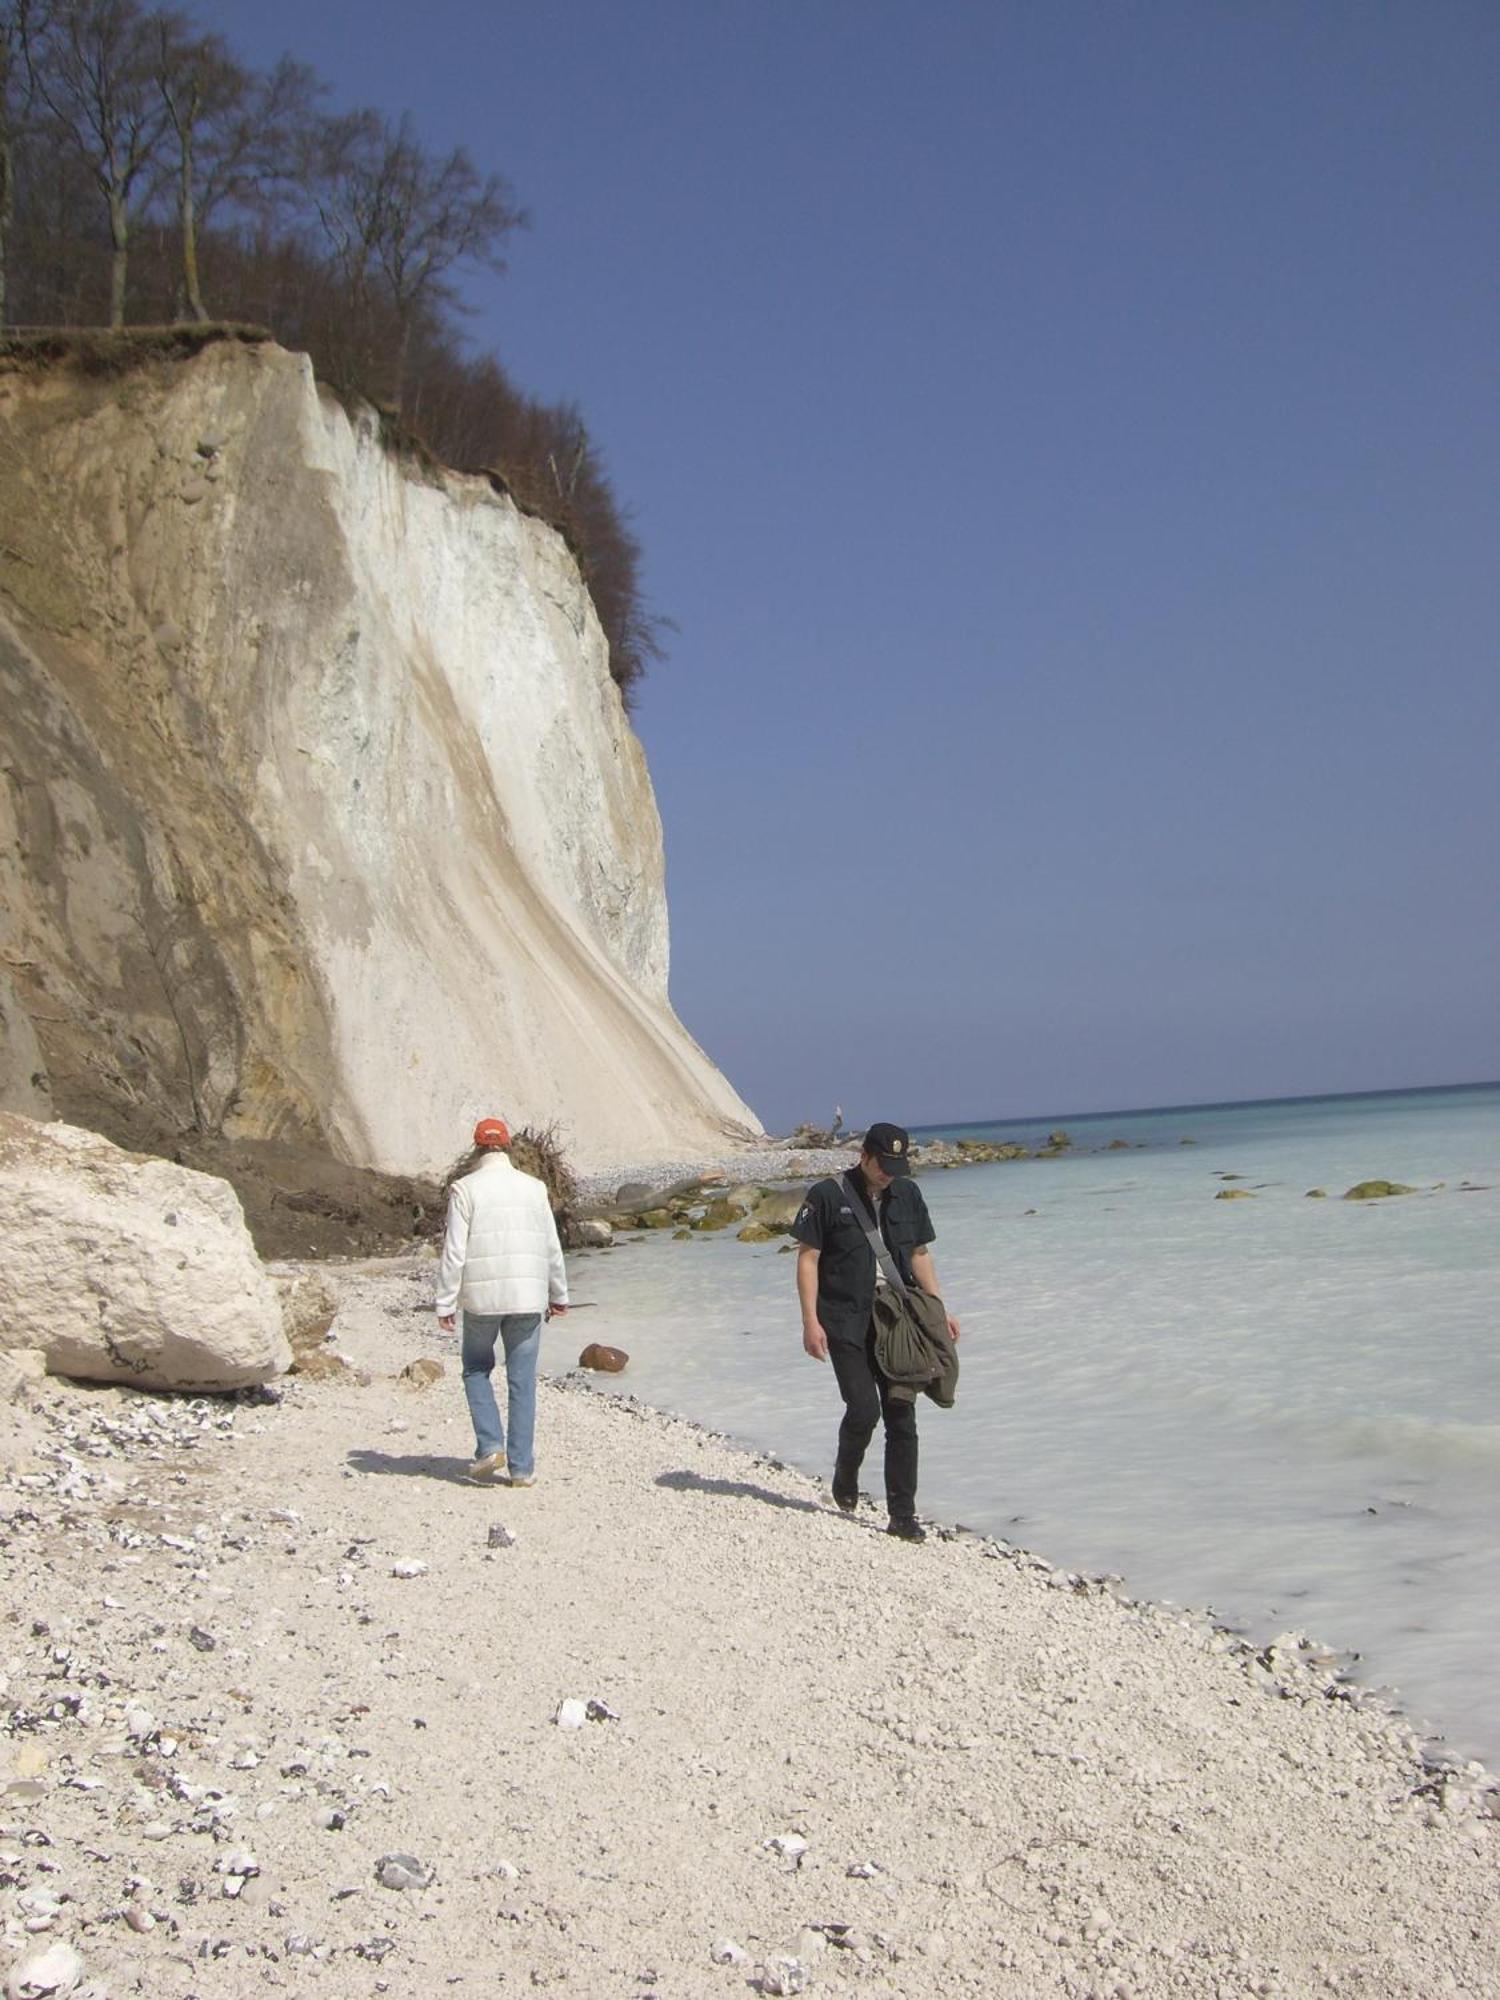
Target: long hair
{"points": [[535, 1152], [466, 1162]]}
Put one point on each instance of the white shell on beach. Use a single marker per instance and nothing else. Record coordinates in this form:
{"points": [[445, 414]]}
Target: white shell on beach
{"points": [[791, 1845], [571, 1714], [784, 1975], [727, 1952], [409, 1568], [57, 1970]]}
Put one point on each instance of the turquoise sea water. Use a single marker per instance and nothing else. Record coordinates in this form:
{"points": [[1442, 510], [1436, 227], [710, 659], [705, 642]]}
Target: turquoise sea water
{"points": [[1288, 1409]]}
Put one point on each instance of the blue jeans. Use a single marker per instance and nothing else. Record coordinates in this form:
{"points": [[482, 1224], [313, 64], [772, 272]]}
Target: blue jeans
{"points": [[522, 1335]]}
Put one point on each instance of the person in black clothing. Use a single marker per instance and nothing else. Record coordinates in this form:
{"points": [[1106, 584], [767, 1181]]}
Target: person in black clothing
{"points": [[837, 1276]]}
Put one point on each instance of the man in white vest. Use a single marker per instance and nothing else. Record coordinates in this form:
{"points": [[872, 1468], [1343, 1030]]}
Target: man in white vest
{"points": [[502, 1267]]}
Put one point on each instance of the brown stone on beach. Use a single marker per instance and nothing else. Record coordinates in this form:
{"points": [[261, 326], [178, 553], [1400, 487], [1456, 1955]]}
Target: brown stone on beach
{"points": [[322, 1365], [719, 1214], [422, 1373], [1377, 1190], [309, 1305], [1234, 1194], [777, 1208], [604, 1360]]}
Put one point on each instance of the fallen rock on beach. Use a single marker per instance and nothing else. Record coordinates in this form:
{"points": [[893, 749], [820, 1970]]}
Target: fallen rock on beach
{"points": [[120, 1268], [280, 1709]]}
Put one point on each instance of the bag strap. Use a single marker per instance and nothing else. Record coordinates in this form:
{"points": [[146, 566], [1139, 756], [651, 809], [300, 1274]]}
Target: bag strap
{"points": [[877, 1243]]}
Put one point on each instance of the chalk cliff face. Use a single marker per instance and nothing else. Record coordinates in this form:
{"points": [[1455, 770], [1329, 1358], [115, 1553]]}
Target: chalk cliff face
{"points": [[322, 819]]}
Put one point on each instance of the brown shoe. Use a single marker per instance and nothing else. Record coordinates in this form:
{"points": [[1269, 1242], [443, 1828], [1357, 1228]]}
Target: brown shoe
{"points": [[485, 1471], [523, 1479]]}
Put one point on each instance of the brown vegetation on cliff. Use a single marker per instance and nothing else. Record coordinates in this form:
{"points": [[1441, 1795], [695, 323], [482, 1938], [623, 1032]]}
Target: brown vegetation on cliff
{"points": [[226, 192]]}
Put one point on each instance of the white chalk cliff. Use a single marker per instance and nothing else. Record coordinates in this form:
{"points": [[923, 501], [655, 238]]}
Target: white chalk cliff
{"points": [[322, 817]]}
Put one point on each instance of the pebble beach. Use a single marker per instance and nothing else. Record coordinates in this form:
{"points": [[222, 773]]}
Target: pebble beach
{"points": [[290, 1705]]}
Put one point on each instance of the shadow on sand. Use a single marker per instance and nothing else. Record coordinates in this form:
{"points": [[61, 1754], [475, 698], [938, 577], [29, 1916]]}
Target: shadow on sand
{"points": [[426, 1465], [734, 1489]]}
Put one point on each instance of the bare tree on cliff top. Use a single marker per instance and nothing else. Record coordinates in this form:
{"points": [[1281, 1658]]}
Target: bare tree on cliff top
{"points": [[92, 62], [399, 219], [17, 24], [233, 132]]}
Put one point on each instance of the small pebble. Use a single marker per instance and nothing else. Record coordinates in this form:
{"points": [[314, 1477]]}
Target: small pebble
{"points": [[784, 1974], [401, 1871], [790, 1845]]}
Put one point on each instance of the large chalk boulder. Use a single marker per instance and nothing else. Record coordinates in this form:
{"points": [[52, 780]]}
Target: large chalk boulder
{"points": [[125, 1269]]}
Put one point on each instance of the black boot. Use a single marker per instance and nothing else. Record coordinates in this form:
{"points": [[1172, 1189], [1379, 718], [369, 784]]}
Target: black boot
{"points": [[907, 1527], [845, 1488]]}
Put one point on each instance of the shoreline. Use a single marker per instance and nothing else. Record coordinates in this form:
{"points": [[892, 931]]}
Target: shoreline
{"points": [[927, 1771]]}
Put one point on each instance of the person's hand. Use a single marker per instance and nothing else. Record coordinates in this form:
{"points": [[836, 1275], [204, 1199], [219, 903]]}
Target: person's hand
{"points": [[556, 1312], [447, 1321], [953, 1329], [815, 1341]]}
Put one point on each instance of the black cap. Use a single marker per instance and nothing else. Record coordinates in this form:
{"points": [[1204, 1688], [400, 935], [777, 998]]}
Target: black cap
{"points": [[891, 1147]]}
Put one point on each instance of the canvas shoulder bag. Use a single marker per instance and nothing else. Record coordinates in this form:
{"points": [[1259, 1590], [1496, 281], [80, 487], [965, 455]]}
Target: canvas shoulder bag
{"points": [[913, 1347]]}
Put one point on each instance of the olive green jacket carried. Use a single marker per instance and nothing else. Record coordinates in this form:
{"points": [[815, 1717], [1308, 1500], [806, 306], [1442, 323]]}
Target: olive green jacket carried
{"points": [[914, 1350]]}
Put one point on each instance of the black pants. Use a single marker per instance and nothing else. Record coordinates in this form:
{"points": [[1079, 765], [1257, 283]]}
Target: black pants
{"points": [[867, 1398]]}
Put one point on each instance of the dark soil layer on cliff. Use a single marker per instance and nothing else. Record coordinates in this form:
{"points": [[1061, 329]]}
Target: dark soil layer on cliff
{"points": [[300, 1202]]}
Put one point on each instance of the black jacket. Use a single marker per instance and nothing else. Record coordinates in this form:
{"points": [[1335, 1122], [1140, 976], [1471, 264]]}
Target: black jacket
{"points": [[846, 1263]]}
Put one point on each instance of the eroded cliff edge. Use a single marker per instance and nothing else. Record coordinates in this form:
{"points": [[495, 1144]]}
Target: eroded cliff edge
{"points": [[322, 819]]}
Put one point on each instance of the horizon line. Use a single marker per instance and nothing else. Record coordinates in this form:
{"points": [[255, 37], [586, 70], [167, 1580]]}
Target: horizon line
{"points": [[1212, 1104]]}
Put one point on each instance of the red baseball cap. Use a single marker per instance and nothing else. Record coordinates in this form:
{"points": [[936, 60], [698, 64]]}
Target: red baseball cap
{"points": [[492, 1132]]}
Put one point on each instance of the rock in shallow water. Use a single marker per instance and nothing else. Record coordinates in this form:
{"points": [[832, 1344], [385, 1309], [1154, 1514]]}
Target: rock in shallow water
{"points": [[604, 1360]]}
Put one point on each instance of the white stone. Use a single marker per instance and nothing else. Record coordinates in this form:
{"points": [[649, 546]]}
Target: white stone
{"points": [[784, 1974], [791, 1845], [571, 1714], [57, 1970], [111, 1291], [408, 1568]]}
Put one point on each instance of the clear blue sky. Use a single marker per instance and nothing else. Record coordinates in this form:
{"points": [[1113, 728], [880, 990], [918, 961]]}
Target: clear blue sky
{"points": [[1067, 436]]}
